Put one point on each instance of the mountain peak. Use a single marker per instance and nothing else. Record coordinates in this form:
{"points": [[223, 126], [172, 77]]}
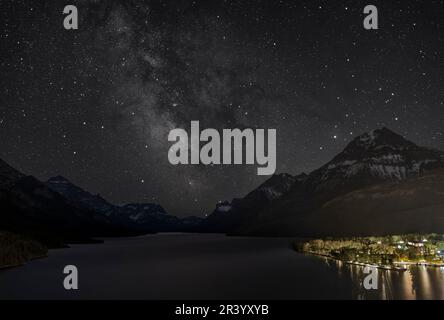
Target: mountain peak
{"points": [[380, 154], [379, 137]]}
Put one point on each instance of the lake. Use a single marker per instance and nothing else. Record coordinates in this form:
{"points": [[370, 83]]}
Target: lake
{"points": [[207, 266]]}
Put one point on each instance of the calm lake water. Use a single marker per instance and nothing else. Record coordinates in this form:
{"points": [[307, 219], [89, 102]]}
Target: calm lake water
{"points": [[196, 266]]}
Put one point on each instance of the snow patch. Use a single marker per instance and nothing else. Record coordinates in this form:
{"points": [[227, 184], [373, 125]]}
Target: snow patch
{"points": [[224, 208]]}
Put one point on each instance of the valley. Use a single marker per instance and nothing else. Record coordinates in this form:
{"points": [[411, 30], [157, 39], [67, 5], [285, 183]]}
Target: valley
{"points": [[380, 185]]}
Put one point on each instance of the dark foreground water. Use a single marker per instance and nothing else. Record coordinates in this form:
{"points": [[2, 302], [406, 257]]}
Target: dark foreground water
{"points": [[194, 266]]}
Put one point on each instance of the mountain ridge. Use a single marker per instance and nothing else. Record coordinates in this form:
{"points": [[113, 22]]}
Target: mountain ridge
{"points": [[144, 217], [58, 212], [372, 158]]}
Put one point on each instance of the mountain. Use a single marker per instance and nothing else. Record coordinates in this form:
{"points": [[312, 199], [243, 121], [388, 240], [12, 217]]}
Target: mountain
{"points": [[374, 157], [8, 176], [377, 157], [59, 212], [143, 217], [150, 217], [413, 205], [78, 197], [29, 207], [229, 215]]}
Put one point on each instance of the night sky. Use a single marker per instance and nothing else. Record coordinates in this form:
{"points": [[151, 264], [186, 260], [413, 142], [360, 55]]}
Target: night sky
{"points": [[96, 104]]}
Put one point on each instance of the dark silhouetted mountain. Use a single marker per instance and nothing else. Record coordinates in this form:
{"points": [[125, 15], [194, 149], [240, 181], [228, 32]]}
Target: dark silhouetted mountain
{"points": [[8, 176], [229, 215], [102, 209], [191, 223], [28, 206], [413, 205], [373, 158], [143, 217]]}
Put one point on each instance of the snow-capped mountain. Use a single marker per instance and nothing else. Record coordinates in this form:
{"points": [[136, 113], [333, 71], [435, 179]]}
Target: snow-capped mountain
{"points": [[150, 216], [376, 157], [373, 157]]}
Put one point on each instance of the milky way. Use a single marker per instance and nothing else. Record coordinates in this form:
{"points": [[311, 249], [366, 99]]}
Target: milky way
{"points": [[96, 104]]}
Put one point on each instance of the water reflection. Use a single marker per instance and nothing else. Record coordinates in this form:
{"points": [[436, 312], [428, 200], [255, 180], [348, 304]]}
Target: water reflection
{"points": [[417, 282]]}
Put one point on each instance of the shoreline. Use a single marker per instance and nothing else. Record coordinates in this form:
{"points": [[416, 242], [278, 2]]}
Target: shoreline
{"points": [[23, 263], [356, 263], [425, 264], [395, 267]]}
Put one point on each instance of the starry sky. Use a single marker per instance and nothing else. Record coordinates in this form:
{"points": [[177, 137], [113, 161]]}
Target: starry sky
{"points": [[96, 104]]}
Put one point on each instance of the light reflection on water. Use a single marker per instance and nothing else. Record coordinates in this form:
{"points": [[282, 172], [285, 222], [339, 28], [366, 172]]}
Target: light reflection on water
{"points": [[417, 282]]}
